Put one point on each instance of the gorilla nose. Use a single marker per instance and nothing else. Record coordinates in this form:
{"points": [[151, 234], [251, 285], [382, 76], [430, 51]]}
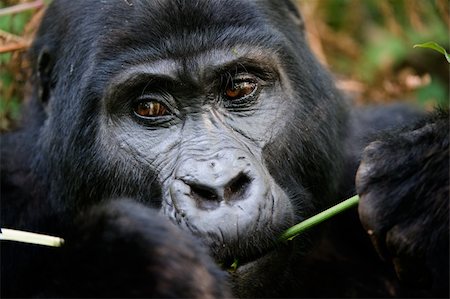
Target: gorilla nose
{"points": [[213, 182], [210, 195], [222, 196]]}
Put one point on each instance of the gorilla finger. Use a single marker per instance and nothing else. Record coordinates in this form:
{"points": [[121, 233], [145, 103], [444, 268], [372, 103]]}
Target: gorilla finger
{"points": [[408, 255], [370, 168], [372, 223]]}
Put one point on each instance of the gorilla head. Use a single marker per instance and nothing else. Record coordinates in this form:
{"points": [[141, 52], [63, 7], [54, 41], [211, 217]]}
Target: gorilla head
{"points": [[213, 112]]}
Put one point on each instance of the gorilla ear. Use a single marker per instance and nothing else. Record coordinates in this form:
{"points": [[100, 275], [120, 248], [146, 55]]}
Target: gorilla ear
{"points": [[44, 72]]}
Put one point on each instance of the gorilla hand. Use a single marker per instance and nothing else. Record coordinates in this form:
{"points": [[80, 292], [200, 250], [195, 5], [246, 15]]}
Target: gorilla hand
{"points": [[124, 249], [403, 182]]}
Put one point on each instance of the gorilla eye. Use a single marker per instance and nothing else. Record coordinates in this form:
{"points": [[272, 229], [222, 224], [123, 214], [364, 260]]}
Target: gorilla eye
{"points": [[240, 89], [150, 109]]}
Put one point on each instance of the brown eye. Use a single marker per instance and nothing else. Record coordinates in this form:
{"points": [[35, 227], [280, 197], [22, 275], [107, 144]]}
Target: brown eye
{"points": [[239, 90], [150, 109]]}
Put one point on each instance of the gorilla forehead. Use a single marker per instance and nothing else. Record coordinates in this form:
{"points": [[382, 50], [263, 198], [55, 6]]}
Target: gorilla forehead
{"points": [[174, 28], [167, 27]]}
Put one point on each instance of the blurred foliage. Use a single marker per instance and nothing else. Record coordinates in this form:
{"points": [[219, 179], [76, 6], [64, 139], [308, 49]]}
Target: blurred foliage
{"points": [[19, 20], [368, 44]]}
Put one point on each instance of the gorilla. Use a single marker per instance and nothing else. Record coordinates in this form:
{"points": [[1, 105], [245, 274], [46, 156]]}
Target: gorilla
{"points": [[166, 139]]}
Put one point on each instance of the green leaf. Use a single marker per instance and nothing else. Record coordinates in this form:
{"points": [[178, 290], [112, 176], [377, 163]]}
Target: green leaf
{"points": [[234, 266], [434, 46]]}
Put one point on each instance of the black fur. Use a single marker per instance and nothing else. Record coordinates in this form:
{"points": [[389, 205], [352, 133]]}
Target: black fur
{"points": [[231, 173], [403, 181], [133, 244]]}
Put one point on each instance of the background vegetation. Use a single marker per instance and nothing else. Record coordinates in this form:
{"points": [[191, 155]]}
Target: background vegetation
{"points": [[368, 44]]}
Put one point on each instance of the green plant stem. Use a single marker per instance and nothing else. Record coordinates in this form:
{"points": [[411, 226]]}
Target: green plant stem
{"points": [[289, 234], [299, 228]]}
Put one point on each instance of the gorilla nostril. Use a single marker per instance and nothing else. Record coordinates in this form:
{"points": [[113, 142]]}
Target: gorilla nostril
{"points": [[209, 197], [237, 187], [203, 192], [205, 197]]}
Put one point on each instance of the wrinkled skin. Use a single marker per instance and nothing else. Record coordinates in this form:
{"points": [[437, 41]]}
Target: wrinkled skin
{"points": [[215, 115]]}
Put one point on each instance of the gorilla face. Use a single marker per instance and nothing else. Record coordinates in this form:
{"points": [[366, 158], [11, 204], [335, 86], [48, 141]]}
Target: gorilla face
{"points": [[213, 112], [201, 123]]}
